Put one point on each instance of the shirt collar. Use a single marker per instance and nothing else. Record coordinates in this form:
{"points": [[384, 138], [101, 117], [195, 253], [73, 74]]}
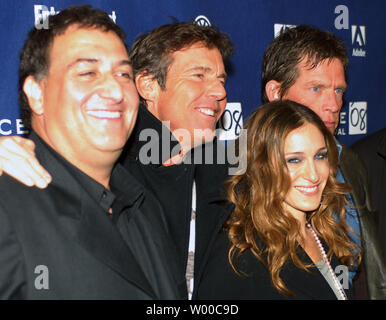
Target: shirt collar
{"points": [[339, 146], [124, 187]]}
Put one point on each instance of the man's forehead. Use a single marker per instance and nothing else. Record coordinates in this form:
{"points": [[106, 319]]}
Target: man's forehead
{"points": [[310, 63], [87, 36], [88, 43], [198, 55], [308, 68]]}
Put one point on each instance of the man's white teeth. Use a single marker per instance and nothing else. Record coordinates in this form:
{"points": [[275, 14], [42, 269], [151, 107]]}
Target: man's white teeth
{"points": [[104, 114], [307, 189], [208, 112]]}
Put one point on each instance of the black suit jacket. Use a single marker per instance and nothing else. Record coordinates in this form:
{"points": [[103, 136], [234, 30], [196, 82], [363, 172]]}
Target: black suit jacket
{"points": [[172, 186], [64, 229], [372, 150], [220, 281], [355, 175]]}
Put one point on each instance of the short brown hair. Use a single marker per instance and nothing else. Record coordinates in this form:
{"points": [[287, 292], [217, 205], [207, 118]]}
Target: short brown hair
{"points": [[151, 52], [34, 57], [281, 59]]}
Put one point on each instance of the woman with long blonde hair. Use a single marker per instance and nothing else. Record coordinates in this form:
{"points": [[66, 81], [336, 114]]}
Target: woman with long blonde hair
{"points": [[287, 236]]}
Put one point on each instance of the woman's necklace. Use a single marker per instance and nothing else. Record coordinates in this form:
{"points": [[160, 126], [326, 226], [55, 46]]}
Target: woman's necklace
{"points": [[338, 285]]}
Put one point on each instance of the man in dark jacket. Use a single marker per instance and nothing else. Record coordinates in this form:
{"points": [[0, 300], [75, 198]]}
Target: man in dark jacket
{"points": [[94, 232], [180, 75], [372, 150], [308, 65]]}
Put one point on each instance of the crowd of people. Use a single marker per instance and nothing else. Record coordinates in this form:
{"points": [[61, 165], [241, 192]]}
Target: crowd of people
{"points": [[80, 198]]}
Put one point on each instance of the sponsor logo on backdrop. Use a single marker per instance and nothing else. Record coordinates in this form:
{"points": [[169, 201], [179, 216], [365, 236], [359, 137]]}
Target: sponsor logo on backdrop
{"points": [[202, 21], [41, 13], [358, 32], [11, 127], [231, 122], [354, 120], [341, 131], [279, 28], [358, 36], [357, 118]]}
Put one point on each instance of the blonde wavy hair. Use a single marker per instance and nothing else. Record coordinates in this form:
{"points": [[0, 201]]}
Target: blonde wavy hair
{"points": [[259, 222]]}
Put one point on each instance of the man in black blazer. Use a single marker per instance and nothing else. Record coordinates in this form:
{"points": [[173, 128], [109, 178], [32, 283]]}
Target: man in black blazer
{"points": [[372, 150], [94, 232]]}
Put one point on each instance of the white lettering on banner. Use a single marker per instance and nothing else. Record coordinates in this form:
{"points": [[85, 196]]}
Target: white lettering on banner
{"points": [[341, 21], [279, 28], [6, 127], [357, 117], [231, 122], [19, 127], [41, 13], [358, 53], [342, 117], [3, 131], [340, 131], [113, 16], [202, 21]]}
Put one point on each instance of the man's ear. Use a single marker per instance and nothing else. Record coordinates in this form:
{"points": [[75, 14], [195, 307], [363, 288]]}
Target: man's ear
{"points": [[148, 87], [34, 92], [272, 89]]}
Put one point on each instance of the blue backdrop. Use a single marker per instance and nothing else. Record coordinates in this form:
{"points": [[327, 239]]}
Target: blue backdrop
{"points": [[251, 24]]}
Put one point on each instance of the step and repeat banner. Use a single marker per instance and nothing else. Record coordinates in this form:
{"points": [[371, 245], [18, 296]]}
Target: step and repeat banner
{"points": [[251, 24]]}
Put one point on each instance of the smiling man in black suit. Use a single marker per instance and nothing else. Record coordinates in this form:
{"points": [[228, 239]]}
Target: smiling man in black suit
{"points": [[94, 232]]}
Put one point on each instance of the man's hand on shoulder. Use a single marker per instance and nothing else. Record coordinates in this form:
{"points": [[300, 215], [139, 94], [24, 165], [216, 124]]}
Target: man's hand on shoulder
{"points": [[17, 159]]}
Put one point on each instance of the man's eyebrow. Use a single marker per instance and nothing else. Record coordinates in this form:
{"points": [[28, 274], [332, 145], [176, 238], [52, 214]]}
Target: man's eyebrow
{"points": [[207, 70], [320, 83], [82, 60], [95, 61]]}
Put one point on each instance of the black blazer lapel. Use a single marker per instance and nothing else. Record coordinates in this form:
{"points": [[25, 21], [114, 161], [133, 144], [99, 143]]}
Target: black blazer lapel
{"points": [[97, 234], [307, 285]]}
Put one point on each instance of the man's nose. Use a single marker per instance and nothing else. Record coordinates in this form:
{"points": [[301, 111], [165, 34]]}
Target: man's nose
{"points": [[111, 89], [333, 103], [217, 90]]}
